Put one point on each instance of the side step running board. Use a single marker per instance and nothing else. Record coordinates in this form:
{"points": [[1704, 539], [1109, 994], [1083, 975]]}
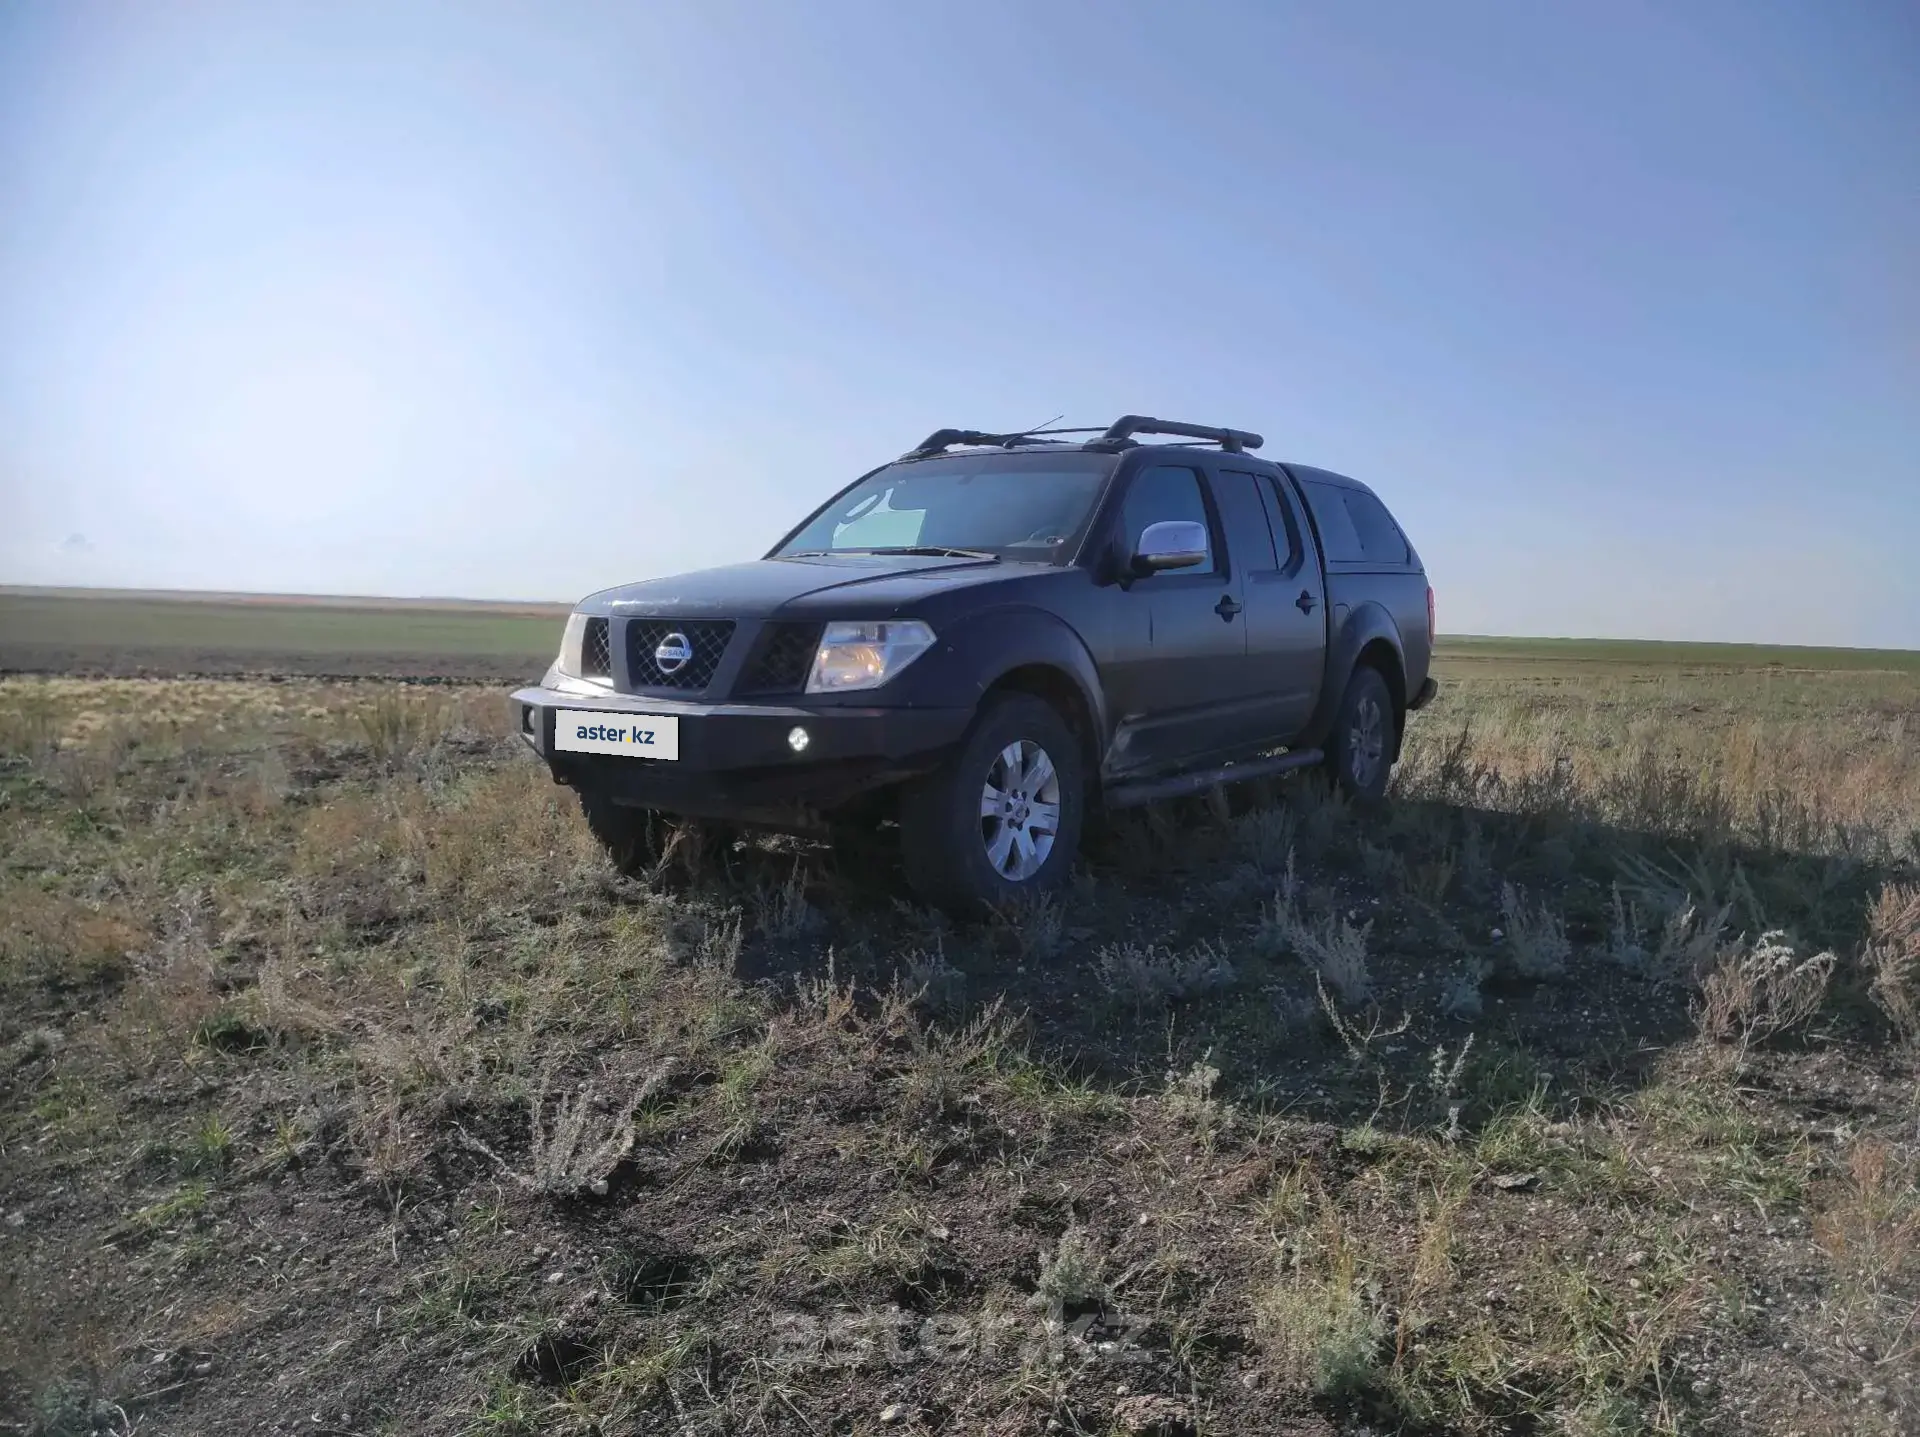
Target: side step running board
{"points": [[1151, 790]]}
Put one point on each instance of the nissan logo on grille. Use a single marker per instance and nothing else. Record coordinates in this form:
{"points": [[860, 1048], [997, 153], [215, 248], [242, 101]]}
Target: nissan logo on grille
{"points": [[672, 653]]}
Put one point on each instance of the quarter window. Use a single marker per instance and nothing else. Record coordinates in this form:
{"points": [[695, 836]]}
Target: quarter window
{"points": [[1380, 538], [1335, 521]]}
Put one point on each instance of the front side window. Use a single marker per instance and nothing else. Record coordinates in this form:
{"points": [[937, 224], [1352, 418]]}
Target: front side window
{"points": [[1162, 493], [1030, 507]]}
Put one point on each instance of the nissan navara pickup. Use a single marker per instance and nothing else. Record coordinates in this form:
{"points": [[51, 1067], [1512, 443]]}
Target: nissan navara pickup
{"points": [[982, 644]]}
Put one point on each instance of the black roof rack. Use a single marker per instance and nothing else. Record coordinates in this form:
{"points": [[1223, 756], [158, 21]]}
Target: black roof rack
{"points": [[1117, 435], [941, 440], [1120, 433]]}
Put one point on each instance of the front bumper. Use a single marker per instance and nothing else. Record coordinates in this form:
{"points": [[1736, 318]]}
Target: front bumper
{"points": [[735, 759]]}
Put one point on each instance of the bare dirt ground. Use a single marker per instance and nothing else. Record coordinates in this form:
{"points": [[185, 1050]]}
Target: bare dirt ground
{"points": [[344, 1089]]}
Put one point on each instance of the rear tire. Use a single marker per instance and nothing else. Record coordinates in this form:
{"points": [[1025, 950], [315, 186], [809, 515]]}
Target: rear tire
{"points": [[1002, 818], [1360, 750]]}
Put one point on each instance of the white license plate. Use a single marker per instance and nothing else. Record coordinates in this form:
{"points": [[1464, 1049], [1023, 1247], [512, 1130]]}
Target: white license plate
{"points": [[631, 735]]}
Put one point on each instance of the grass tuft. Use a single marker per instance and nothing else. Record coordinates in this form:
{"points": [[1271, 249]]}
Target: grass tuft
{"points": [[1892, 957]]}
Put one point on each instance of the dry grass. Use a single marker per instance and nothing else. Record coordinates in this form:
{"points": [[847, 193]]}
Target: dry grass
{"points": [[1893, 956], [335, 1061], [1871, 1228]]}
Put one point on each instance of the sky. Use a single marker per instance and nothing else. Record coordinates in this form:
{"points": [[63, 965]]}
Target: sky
{"points": [[1617, 305]]}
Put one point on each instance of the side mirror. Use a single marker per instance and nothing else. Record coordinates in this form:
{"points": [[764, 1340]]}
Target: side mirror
{"points": [[1170, 544]]}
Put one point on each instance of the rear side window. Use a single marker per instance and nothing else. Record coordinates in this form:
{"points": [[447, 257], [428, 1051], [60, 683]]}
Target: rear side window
{"points": [[1249, 539], [1380, 537], [1284, 527], [1337, 532]]}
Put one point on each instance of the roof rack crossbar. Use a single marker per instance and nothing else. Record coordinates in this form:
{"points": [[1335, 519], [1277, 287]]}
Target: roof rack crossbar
{"points": [[941, 440], [1233, 441], [1117, 435]]}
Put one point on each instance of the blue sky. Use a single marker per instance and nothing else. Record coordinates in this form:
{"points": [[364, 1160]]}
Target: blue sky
{"points": [[1617, 305]]}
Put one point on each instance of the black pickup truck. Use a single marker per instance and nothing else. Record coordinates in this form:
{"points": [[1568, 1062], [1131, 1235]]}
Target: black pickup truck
{"points": [[989, 639]]}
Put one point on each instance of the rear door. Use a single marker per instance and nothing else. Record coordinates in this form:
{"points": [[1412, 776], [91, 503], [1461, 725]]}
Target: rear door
{"points": [[1177, 676], [1303, 582], [1285, 614]]}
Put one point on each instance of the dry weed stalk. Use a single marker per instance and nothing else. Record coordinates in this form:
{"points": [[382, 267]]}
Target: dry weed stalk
{"points": [[575, 1153], [1359, 1042]]}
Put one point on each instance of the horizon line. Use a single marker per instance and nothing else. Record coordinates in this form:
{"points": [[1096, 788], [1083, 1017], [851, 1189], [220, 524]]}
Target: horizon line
{"points": [[456, 602]]}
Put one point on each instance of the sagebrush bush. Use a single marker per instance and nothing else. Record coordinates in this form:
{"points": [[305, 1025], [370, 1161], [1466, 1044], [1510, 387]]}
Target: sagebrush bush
{"points": [[1265, 837], [1753, 993], [930, 980], [1678, 952], [1146, 976], [1070, 1275], [1460, 990], [1332, 947], [1536, 938]]}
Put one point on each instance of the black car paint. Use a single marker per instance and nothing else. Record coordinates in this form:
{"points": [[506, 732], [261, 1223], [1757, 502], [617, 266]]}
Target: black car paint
{"points": [[761, 588], [1166, 671]]}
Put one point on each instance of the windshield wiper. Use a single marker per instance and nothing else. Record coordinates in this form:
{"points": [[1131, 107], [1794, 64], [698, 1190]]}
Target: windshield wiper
{"points": [[930, 551]]}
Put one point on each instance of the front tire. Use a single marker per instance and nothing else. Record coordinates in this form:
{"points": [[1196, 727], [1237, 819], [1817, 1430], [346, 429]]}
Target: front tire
{"points": [[1002, 818], [1360, 752]]}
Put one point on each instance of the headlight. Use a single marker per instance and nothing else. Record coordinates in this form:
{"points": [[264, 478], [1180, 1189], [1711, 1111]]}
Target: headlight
{"points": [[571, 643], [866, 655]]}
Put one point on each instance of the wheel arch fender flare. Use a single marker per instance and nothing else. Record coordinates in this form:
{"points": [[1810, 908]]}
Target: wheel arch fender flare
{"points": [[1031, 650], [1367, 635]]}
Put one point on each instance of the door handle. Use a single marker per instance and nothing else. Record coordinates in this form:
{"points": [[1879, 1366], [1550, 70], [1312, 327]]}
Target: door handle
{"points": [[1227, 608], [1305, 602]]}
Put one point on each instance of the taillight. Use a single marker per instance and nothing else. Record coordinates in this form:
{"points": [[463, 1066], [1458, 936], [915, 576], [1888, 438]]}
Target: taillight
{"points": [[1432, 632]]}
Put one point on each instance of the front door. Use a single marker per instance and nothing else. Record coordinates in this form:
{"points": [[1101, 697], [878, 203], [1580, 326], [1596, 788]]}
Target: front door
{"points": [[1178, 678]]}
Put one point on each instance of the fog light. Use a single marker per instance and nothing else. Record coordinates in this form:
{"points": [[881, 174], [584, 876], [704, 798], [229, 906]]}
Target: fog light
{"points": [[798, 739]]}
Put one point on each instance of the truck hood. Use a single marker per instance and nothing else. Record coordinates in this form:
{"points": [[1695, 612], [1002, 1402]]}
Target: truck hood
{"points": [[850, 585]]}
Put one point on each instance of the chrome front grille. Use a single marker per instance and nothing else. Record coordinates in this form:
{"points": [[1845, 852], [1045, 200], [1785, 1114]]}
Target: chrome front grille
{"points": [[670, 654]]}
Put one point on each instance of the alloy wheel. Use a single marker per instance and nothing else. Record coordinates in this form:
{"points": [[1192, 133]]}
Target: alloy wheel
{"points": [[1366, 741], [1020, 810]]}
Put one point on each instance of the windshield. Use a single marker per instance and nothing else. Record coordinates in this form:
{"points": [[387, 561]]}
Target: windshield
{"points": [[1028, 507]]}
